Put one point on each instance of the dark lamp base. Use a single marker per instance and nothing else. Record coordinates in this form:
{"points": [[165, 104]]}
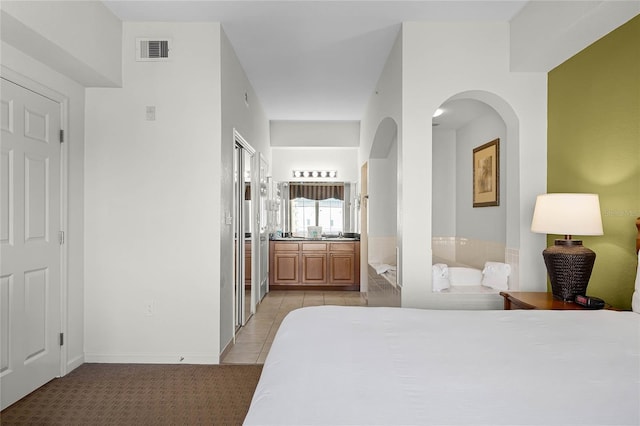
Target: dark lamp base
{"points": [[569, 265]]}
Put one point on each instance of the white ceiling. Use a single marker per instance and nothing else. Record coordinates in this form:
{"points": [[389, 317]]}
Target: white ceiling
{"points": [[321, 59], [314, 60]]}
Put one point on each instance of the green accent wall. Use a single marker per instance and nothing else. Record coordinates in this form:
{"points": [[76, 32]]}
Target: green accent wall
{"points": [[594, 146]]}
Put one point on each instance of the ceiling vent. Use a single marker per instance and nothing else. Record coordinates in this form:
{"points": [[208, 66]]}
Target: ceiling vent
{"points": [[149, 49]]}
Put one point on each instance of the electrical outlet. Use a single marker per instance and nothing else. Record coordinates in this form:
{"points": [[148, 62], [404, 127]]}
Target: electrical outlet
{"points": [[150, 113], [148, 308]]}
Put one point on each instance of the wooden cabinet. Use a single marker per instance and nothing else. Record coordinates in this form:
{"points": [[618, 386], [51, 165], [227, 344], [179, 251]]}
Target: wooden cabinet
{"points": [[315, 264], [247, 264], [344, 265], [285, 263]]}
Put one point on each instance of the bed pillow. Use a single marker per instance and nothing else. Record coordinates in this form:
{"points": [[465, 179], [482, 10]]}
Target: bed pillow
{"points": [[496, 275], [635, 301], [440, 277]]}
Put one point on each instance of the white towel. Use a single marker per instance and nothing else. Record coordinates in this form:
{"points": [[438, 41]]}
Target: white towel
{"points": [[496, 275], [440, 277], [440, 270], [381, 268]]}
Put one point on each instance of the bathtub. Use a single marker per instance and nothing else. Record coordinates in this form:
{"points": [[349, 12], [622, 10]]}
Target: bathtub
{"points": [[465, 280]]}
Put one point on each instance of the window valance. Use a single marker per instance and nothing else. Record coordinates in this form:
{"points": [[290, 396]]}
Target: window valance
{"points": [[316, 191]]}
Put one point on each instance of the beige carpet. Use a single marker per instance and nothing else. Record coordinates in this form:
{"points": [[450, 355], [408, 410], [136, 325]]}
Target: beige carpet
{"points": [[140, 394]]}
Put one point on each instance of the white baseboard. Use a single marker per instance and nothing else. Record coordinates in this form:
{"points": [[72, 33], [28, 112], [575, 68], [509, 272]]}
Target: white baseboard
{"points": [[74, 363], [151, 359]]}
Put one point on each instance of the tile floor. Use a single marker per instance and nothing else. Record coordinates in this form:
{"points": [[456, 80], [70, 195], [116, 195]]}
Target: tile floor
{"points": [[254, 339]]}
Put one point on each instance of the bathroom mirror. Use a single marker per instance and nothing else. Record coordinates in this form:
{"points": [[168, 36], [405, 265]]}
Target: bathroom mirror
{"points": [[331, 205]]}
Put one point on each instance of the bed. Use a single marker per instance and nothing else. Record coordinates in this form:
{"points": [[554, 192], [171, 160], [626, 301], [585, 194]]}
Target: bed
{"points": [[332, 365]]}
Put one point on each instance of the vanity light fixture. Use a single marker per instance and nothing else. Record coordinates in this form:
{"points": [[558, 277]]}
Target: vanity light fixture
{"points": [[438, 113], [315, 173]]}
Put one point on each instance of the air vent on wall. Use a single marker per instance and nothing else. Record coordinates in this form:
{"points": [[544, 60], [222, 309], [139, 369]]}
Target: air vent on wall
{"points": [[148, 49]]}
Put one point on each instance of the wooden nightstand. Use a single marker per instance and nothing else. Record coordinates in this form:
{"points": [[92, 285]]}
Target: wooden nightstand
{"points": [[537, 300]]}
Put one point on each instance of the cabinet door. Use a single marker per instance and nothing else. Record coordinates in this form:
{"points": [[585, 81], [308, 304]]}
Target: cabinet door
{"points": [[285, 268], [314, 268], [342, 268]]}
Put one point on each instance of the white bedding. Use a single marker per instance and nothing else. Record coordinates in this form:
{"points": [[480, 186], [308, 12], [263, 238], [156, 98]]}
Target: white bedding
{"points": [[332, 365]]}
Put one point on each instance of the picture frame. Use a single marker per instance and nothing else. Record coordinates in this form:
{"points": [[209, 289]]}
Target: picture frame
{"points": [[486, 174]]}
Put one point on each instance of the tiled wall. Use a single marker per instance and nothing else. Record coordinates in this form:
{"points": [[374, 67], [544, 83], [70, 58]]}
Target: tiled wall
{"points": [[455, 251], [512, 257], [382, 250]]}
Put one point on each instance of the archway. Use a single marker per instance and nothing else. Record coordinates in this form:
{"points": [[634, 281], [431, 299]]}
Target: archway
{"points": [[461, 233], [382, 207]]}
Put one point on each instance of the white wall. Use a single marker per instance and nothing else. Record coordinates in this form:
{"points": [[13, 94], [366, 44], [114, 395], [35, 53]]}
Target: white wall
{"points": [[315, 133], [286, 159], [249, 120], [152, 204], [383, 208], [315, 145], [444, 184], [80, 39], [385, 104], [471, 58], [55, 48], [546, 33], [23, 69], [382, 194], [480, 223]]}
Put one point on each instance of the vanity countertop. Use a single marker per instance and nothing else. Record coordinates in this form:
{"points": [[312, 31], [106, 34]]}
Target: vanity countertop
{"points": [[345, 239]]}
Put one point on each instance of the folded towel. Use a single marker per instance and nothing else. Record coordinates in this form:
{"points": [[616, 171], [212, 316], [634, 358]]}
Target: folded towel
{"points": [[496, 275], [440, 270], [381, 268], [500, 267], [440, 277]]}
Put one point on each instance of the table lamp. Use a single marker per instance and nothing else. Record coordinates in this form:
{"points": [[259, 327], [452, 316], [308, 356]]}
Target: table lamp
{"points": [[568, 262]]}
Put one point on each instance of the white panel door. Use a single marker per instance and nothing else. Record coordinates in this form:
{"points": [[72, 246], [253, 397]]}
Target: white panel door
{"points": [[30, 247]]}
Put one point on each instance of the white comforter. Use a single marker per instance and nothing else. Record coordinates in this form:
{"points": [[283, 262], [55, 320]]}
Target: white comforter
{"points": [[333, 365]]}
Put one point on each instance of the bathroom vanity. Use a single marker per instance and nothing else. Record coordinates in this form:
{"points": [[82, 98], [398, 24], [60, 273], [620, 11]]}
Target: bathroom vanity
{"points": [[326, 264]]}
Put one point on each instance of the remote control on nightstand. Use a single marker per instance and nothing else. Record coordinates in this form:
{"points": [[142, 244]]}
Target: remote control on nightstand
{"points": [[590, 302]]}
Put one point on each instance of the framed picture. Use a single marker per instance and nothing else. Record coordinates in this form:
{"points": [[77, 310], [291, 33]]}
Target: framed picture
{"points": [[486, 174]]}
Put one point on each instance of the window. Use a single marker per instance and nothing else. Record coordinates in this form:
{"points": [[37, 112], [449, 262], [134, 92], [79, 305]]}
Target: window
{"points": [[316, 205], [330, 215], [303, 214]]}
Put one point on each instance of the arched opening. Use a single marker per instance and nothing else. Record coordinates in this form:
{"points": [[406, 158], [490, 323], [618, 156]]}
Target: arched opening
{"points": [[467, 233], [382, 207]]}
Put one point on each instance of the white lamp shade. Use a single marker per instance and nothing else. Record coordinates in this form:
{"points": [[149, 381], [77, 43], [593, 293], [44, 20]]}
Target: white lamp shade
{"points": [[567, 214]]}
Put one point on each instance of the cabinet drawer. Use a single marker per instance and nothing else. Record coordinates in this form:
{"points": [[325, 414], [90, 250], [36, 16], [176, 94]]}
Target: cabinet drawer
{"points": [[351, 247], [285, 246], [314, 246]]}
